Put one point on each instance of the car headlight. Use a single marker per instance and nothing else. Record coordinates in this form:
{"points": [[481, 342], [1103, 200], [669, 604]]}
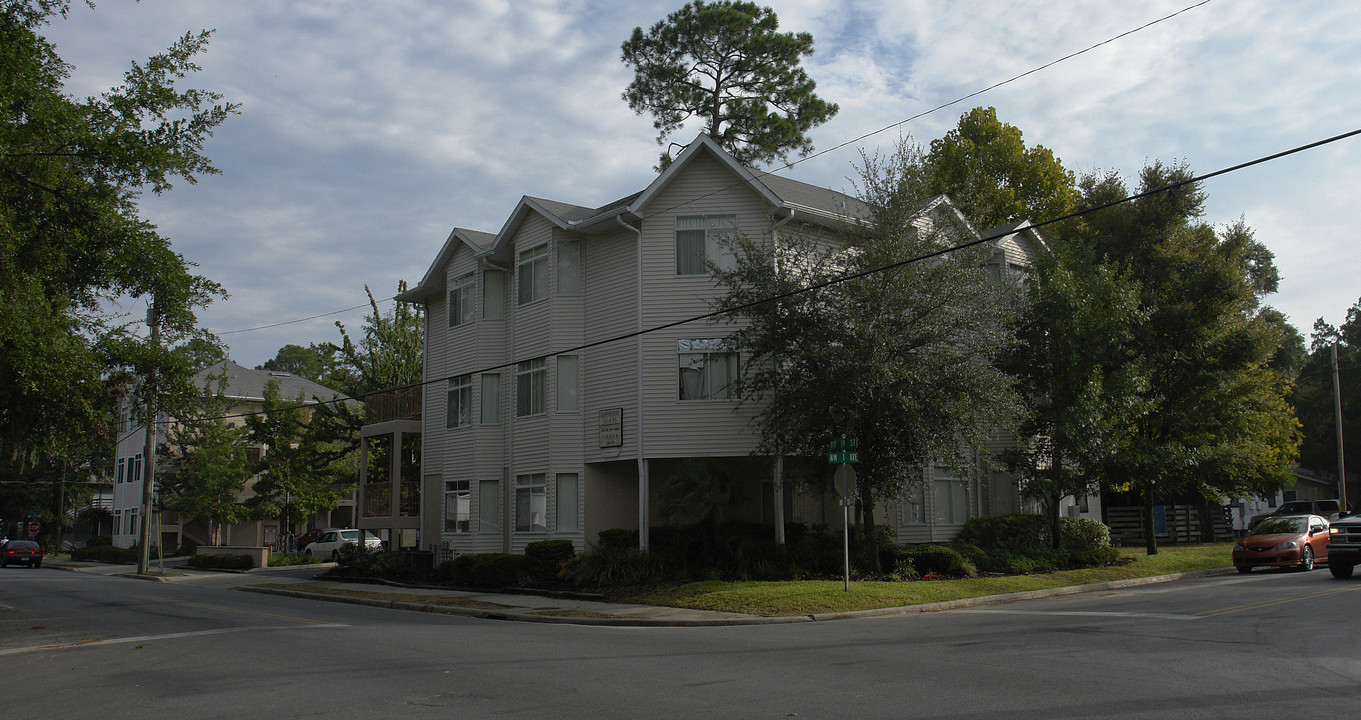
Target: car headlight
{"points": [[1333, 530], [1288, 545], [1239, 546]]}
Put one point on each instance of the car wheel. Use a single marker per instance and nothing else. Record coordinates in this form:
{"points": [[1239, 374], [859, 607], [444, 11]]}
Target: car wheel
{"points": [[1245, 569], [1307, 559], [1339, 570]]}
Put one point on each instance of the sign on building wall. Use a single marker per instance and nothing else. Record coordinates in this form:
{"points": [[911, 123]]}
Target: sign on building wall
{"points": [[611, 427]]}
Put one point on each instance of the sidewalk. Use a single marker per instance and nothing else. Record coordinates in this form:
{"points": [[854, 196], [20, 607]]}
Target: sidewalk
{"points": [[573, 609]]}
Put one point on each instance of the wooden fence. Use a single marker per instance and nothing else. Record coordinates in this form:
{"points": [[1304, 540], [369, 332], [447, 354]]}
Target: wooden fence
{"points": [[1173, 524]]}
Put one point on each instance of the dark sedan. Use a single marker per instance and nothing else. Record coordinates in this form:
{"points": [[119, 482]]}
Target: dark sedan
{"points": [[21, 552]]}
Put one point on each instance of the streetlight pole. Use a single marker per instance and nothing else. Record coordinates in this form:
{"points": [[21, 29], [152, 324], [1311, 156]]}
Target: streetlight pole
{"points": [[1337, 414]]}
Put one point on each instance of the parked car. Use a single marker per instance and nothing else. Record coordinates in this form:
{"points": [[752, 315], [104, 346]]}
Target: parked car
{"points": [[1330, 509], [21, 552], [308, 538], [332, 539], [1286, 541]]}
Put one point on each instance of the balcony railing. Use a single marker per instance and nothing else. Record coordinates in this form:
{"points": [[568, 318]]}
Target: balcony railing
{"points": [[403, 404], [378, 499], [410, 501]]}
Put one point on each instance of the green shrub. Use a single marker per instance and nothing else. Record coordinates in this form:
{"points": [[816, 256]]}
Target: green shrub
{"points": [[293, 558], [1093, 557], [608, 565], [221, 562], [1007, 533], [545, 559], [1082, 533], [974, 554], [487, 570], [940, 560], [618, 538], [105, 553]]}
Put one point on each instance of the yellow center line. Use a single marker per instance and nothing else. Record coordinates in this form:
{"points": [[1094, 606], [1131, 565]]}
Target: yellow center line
{"points": [[1269, 603], [238, 611]]}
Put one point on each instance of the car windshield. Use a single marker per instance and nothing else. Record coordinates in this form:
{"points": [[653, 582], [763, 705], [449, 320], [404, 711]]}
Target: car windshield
{"points": [[1272, 526], [23, 544]]}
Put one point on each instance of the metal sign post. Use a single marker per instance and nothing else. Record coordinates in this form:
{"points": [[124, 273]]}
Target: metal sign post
{"points": [[845, 450]]}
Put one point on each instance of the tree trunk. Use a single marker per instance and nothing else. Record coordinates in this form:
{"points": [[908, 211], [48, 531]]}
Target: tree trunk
{"points": [[1150, 541], [871, 537], [1055, 525]]}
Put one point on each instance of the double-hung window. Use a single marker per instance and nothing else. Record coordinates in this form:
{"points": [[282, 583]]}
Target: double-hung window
{"points": [[460, 402], [702, 239], [567, 502], [493, 295], [569, 267], [531, 385], [461, 299], [532, 274], [458, 506], [952, 499], [489, 506], [491, 398], [531, 503], [708, 369], [569, 384]]}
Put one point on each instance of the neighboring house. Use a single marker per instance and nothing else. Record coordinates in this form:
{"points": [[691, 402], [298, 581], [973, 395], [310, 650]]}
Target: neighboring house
{"points": [[246, 389], [523, 441]]}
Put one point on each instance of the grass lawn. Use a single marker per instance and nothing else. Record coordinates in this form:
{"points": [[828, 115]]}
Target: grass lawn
{"points": [[822, 596]]}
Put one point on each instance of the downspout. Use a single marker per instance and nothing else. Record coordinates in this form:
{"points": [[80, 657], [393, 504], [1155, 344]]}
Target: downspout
{"points": [[779, 455], [507, 469], [643, 490], [425, 364]]}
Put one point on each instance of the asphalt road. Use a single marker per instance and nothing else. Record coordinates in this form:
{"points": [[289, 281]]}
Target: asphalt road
{"points": [[1263, 645]]}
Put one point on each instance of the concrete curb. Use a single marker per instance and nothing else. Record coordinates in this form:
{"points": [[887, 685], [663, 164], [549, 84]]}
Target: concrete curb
{"points": [[518, 615]]}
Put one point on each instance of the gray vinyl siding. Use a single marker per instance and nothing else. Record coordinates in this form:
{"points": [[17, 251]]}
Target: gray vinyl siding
{"points": [[609, 371], [692, 428]]}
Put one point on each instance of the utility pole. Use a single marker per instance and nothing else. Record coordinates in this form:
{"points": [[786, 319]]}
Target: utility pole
{"points": [[1337, 414], [149, 450]]}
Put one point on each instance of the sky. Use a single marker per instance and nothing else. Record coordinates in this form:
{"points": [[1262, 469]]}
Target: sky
{"points": [[368, 131]]}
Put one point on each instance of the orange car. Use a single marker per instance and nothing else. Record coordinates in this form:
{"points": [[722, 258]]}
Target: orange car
{"points": [[1290, 541]]}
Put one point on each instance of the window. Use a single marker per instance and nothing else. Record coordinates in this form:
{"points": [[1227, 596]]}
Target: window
{"points": [[461, 299], [460, 406], [569, 398], [704, 238], [458, 506], [134, 473], [914, 509], [491, 398], [489, 506], [952, 500], [533, 274], [567, 502], [493, 295], [531, 382], [708, 369], [531, 503], [569, 268], [118, 475]]}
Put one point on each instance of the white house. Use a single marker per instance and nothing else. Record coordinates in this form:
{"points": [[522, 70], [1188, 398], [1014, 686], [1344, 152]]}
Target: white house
{"points": [[245, 388], [550, 413]]}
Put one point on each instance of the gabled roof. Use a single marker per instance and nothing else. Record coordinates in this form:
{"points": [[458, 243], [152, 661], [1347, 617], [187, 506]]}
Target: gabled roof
{"points": [[794, 197], [246, 384]]}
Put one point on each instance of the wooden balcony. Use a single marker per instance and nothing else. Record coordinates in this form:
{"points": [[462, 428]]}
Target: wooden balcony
{"points": [[403, 404]]}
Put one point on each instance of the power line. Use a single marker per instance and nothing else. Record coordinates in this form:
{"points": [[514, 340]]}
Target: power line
{"points": [[758, 174], [811, 288], [293, 322]]}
